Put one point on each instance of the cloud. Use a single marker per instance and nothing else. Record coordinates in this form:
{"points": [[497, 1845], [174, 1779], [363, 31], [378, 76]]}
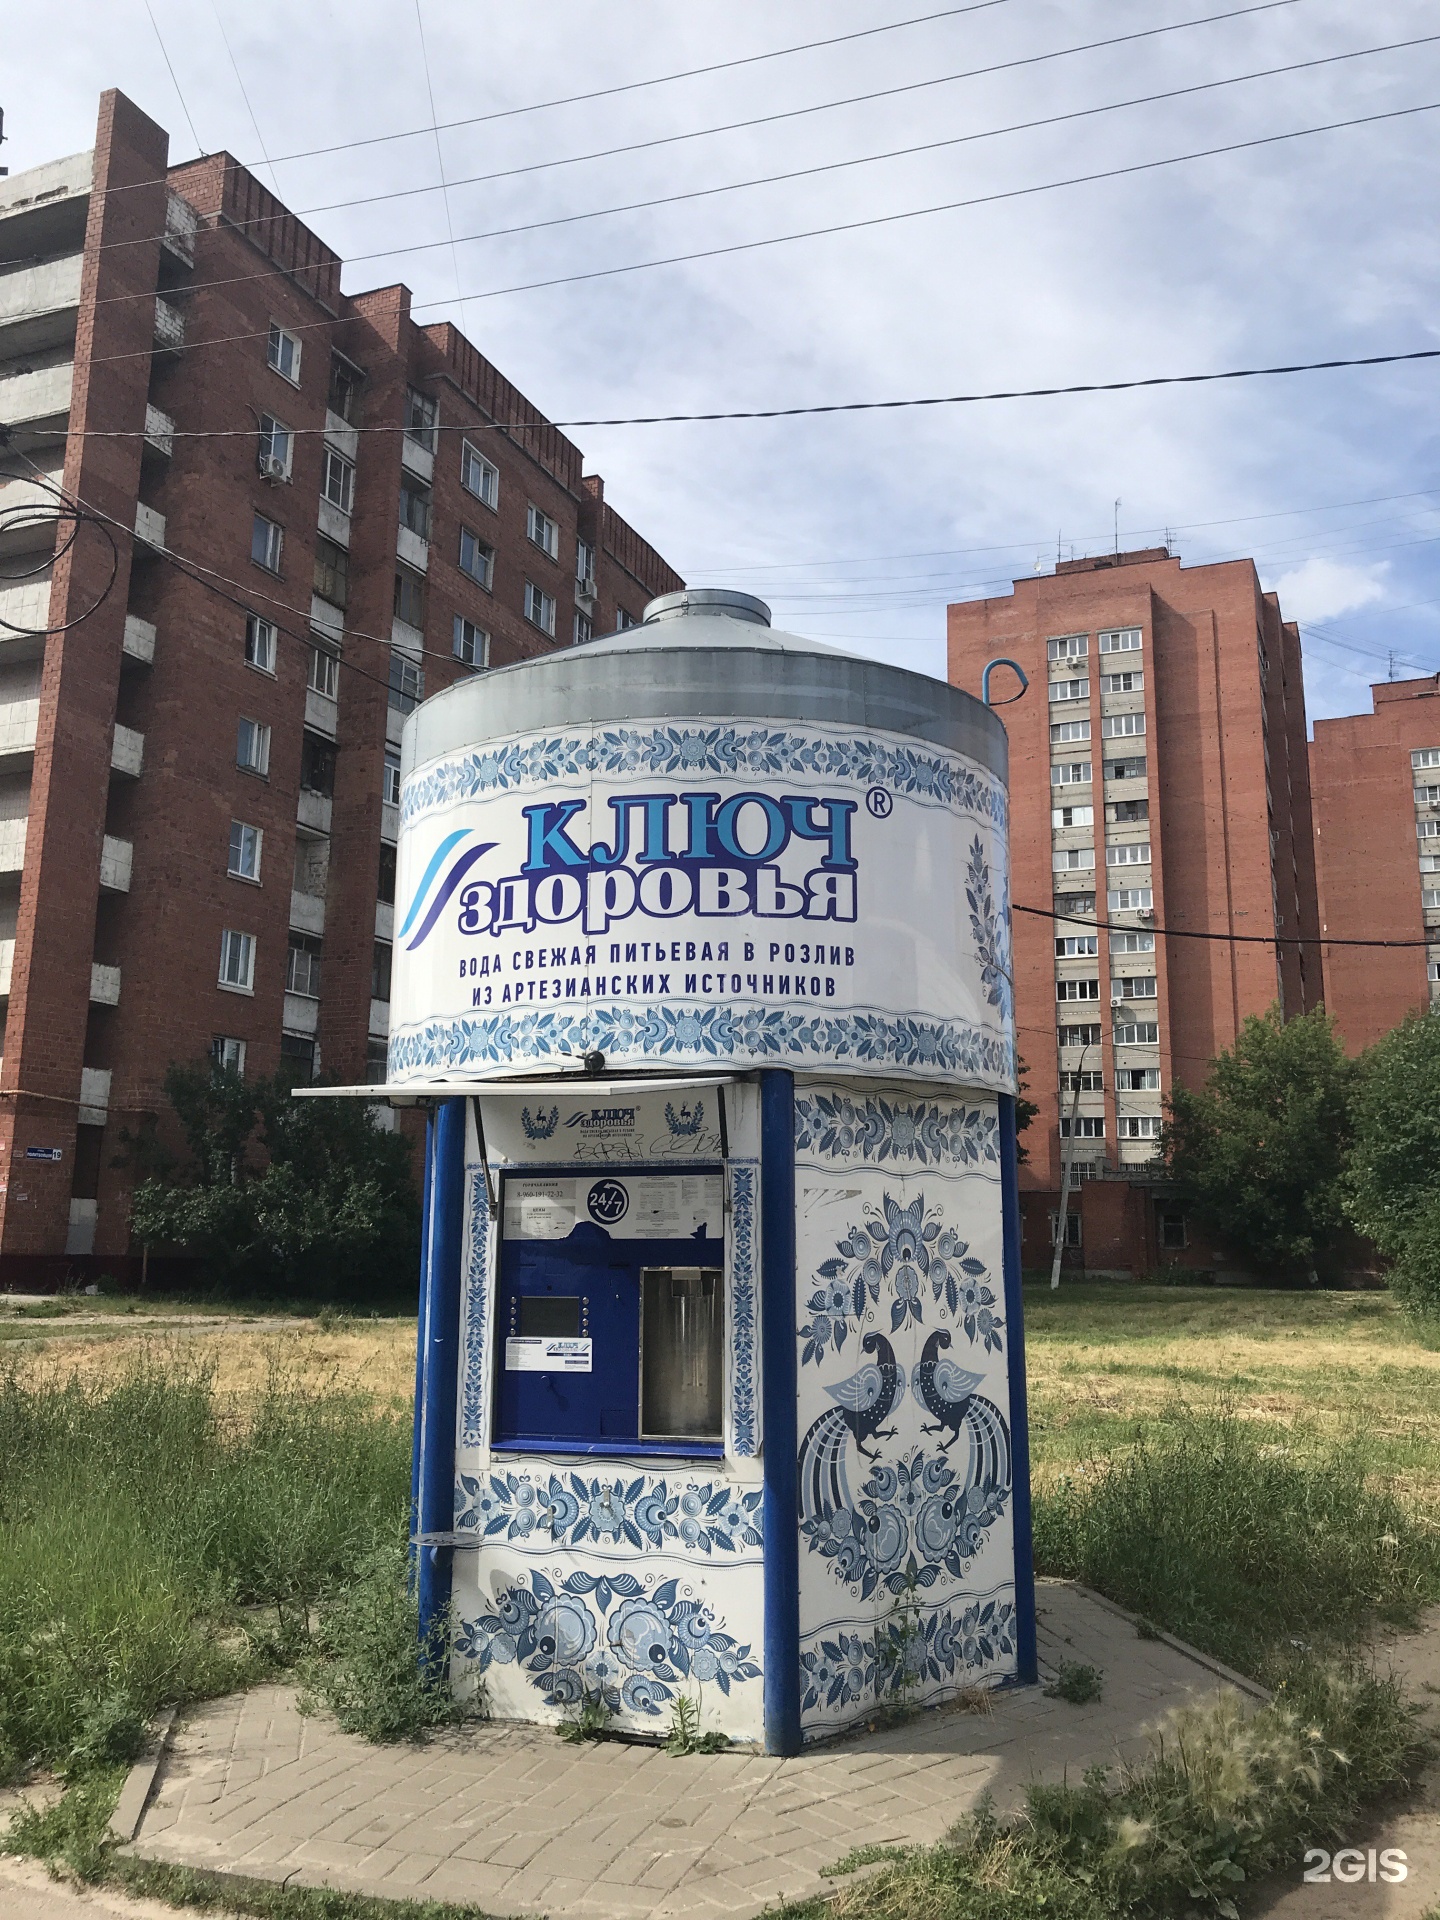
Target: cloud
{"points": [[1320, 589]]}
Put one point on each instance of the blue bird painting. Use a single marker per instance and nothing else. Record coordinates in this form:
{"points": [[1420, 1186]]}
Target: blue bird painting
{"points": [[863, 1404], [947, 1393]]}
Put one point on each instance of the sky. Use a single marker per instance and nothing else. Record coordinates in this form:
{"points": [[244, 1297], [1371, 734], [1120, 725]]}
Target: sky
{"points": [[858, 529]]}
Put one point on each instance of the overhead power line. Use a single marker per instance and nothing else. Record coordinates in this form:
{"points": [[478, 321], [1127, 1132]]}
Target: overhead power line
{"points": [[1225, 939]]}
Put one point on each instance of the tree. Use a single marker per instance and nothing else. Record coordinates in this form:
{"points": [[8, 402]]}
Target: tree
{"points": [[1258, 1155], [306, 1196], [1394, 1178], [1025, 1109]]}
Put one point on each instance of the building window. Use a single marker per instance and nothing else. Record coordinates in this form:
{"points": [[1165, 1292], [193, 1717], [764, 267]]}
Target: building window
{"points": [[332, 571], [407, 684], [1072, 1227], [1427, 796], [583, 628], [1069, 689], [390, 786], [624, 621], [1084, 1080], [237, 961], [1133, 986], [1130, 900], [1072, 816], [1122, 726], [421, 417], [1084, 1036], [259, 643], [338, 485], [540, 608], [1075, 946], [409, 597], [1427, 829], [1172, 1231], [415, 508], [1120, 640], [302, 969], [1073, 903], [584, 563], [1072, 859], [252, 746], [1084, 1126], [324, 673], [1070, 646], [317, 764], [1430, 897], [472, 643], [1425, 757], [1432, 969], [228, 1054], [1137, 1080], [244, 851], [1071, 773], [1125, 812], [1122, 682], [343, 397], [1138, 1126], [283, 353], [385, 881], [476, 558], [380, 970], [1065, 730], [267, 543], [377, 1062], [1077, 989], [1430, 863], [1131, 853], [478, 475], [277, 448], [1132, 943], [297, 1051], [1137, 1033], [1124, 769], [543, 532]]}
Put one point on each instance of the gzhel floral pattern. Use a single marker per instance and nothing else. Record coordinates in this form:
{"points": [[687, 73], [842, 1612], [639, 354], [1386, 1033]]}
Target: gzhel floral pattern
{"points": [[743, 1412], [572, 1646], [843, 1669], [912, 1521], [904, 1248], [570, 1510], [877, 1129], [992, 940]]}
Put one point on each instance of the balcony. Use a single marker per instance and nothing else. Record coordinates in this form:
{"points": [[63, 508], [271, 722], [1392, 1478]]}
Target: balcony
{"points": [[380, 1019], [19, 721], [159, 432], [182, 223], [307, 911], [94, 1096], [38, 304], [322, 714], [12, 844], [139, 639], [384, 920], [313, 810], [104, 985], [302, 1014], [417, 459], [116, 859], [127, 751], [149, 527], [169, 327], [389, 820], [28, 510], [334, 524], [38, 398], [7, 966], [414, 551], [26, 605], [342, 436], [327, 618]]}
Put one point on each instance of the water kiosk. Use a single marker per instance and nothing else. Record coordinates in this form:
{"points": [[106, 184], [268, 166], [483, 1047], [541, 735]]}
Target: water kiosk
{"points": [[702, 967]]}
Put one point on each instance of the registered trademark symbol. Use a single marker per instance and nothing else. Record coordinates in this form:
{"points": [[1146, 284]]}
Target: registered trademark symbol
{"points": [[879, 802]]}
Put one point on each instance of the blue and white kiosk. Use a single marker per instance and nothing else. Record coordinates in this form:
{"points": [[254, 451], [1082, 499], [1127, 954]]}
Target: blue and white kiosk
{"points": [[702, 968]]}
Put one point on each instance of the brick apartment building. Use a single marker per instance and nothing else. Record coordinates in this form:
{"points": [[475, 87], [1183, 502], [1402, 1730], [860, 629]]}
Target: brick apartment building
{"points": [[1375, 778], [1158, 778], [198, 756]]}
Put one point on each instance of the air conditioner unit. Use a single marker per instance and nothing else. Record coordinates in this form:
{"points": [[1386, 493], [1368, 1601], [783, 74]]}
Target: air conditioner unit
{"points": [[272, 467], [1145, 913], [586, 589]]}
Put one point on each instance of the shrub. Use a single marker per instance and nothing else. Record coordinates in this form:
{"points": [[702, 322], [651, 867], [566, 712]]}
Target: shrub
{"points": [[1237, 1541]]}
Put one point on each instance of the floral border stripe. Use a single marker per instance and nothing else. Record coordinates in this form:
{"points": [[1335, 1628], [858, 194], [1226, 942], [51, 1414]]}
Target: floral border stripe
{"points": [[531, 760], [878, 1130], [744, 1436], [705, 1033], [847, 1669], [562, 1509], [477, 1293]]}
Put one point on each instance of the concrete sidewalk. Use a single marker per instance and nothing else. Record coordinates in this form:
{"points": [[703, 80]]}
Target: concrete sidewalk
{"points": [[519, 1822]]}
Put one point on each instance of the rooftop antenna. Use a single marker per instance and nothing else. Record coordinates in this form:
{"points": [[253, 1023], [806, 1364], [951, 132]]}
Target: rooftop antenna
{"points": [[1117, 529], [1057, 545], [4, 171], [1390, 669]]}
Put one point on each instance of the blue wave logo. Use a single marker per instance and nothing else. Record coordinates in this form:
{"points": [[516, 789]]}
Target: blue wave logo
{"points": [[437, 887]]}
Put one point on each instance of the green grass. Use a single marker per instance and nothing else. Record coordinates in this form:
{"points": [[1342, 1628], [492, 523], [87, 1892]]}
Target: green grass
{"points": [[158, 1546]]}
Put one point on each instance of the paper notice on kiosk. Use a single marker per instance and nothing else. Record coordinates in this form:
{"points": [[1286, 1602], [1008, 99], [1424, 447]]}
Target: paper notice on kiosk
{"points": [[535, 1353], [539, 1209]]}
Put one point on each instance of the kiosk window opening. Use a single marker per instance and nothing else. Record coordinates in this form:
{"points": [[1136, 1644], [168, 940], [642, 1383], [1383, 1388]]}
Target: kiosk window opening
{"points": [[681, 1345]]}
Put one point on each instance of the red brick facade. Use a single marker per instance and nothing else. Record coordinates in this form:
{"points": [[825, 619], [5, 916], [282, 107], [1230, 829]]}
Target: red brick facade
{"points": [[1205, 679], [1376, 783], [235, 264]]}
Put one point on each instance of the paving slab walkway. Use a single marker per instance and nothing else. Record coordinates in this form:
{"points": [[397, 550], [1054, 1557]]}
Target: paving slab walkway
{"points": [[514, 1819]]}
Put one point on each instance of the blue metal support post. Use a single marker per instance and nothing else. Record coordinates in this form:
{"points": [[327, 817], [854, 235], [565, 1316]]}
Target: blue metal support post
{"points": [[1026, 1664], [439, 1337], [778, 1402]]}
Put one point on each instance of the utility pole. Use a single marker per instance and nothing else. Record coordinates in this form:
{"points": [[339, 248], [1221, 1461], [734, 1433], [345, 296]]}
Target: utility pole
{"points": [[1066, 1161]]}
